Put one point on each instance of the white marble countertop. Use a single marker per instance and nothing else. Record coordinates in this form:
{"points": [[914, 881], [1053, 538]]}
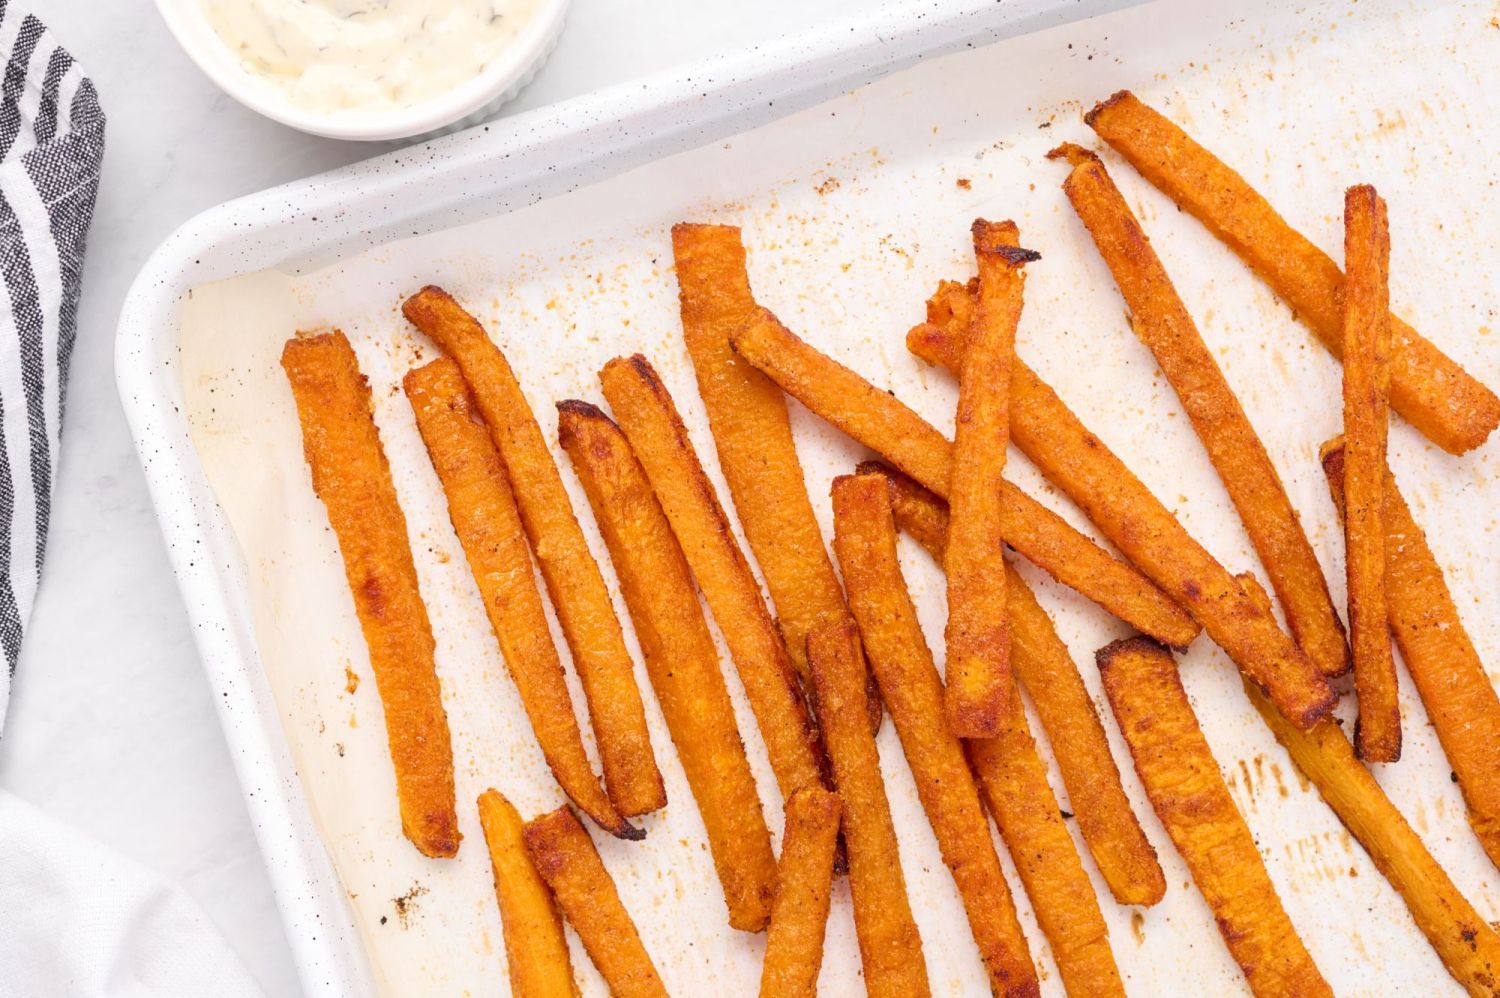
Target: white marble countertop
{"points": [[111, 726]]}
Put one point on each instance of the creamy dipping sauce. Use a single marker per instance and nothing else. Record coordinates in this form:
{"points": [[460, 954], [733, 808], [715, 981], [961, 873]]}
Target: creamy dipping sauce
{"points": [[327, 55]]}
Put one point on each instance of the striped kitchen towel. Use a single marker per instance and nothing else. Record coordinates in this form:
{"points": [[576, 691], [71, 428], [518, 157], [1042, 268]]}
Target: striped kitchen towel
{"points": [[51, 145]]}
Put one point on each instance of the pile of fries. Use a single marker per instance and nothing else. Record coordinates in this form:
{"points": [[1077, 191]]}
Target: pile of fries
{"points": [[844, 646]]}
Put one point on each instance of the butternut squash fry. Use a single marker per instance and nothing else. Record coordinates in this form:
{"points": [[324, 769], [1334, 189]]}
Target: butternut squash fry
{"points": [[484, 515], [680, 658], [864, 541], [1014, 782], [1367, 247], [1078, 462], [536, 954], [799, 917], [890, 947], [1162, 322], [564, 856], [650, 422], [977, 674], [1434, 393], [568, 568], [351, 475], [1439, 655], [1466, 944], [1185, 788], [748, 419]]}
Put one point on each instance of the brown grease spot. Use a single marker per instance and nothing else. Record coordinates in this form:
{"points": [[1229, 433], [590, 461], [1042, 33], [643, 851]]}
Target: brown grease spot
{"points": [[406, 904]]}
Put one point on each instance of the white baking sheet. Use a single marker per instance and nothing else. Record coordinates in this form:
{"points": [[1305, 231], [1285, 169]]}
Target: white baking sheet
{"points": [[852, 211]]}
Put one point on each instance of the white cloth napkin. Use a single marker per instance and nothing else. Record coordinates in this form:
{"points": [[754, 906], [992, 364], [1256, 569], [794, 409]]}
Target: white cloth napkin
{"points": [[75, 918]]}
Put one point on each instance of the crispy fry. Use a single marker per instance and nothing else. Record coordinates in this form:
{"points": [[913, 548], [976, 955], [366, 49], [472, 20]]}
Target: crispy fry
{"points": [[1045, 668], [650, 422], [1466, 944], [1434, 393], [1187, 792], [890, 948], [484, 516], [536, 954], [1075, 460], [748, 419], [794, 942], [351, 475], [1367, 247], [564, 855], [1446, 669], [572, 576], [1162, 322], [977, 635], [864, 541], [680, 658], [1079, 463], [1049, 542]]}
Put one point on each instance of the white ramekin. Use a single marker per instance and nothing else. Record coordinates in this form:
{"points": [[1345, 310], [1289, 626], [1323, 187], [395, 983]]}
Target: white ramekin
{"points": [[469, 104]]}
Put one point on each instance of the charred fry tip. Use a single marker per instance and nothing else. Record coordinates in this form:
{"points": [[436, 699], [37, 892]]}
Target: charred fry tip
{"points": [[1105, 656], [439, 847], [998, 239], [626, 831], [572, 413], [1075, 154], [987, 232], [1106, 104], [1332, 450], [580, 408], [642, 368], [1016, 255]]}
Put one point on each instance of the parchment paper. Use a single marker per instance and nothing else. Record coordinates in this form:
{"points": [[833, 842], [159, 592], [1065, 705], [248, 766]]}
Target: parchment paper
{"points": [[852, 212]]}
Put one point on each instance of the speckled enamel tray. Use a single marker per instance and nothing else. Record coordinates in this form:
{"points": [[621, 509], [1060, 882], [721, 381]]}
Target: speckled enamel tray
{"points": [[486, 170], [553, 228]]}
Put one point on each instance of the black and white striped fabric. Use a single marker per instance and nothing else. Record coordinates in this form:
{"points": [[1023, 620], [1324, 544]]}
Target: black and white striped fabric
{"points": [[51, 146]]}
